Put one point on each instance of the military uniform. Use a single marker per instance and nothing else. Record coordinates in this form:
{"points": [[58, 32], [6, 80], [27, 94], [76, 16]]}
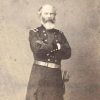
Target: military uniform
{"points": [[46, 81]]}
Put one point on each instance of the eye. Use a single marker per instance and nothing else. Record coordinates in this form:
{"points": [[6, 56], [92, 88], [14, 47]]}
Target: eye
{"points": [[46, 13], [52, 14]]}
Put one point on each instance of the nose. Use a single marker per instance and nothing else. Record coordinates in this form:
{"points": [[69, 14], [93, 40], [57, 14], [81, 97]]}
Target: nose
{"points": [[49, 15]]}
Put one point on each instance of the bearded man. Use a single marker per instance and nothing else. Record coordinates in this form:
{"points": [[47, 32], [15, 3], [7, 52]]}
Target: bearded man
{"points": [[49, 47]]}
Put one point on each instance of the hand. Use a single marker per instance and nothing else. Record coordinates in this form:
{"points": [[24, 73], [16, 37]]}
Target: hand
{"points": [[65, 76], [59, 46], [40, 42]]}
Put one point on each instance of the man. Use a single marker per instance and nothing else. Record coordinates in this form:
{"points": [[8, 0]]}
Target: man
{"points": [[49, 47]]}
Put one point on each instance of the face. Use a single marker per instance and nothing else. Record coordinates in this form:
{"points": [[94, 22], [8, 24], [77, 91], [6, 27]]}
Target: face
{"points": [[48, 16]]}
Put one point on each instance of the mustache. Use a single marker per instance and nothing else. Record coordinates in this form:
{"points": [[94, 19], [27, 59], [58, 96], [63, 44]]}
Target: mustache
{"points": [[48, 20]]}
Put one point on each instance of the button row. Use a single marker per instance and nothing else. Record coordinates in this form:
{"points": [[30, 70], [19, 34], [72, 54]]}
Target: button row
{"points": [[54, 50], [50, 60], [50, 55]]}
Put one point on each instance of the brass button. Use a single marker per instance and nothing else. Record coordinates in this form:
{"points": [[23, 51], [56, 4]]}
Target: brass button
{"points": [[55, 60], [45, 34], [51, 51], [54, 50], [55, 35], [48, 59], [43, 31], [47, 54], [56, 40], [45, 40]]}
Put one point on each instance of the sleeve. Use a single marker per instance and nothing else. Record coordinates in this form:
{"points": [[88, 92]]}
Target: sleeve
{"points": [[65, 48], [65, 51], [37, 45]]}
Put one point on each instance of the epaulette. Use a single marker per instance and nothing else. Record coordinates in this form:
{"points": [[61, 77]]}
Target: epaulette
{"points": [[60, 31], [57, 30], [35, 30]]}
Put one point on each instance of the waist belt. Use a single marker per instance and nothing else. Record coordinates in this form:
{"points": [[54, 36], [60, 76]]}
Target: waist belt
{"points": [[47, 64]]}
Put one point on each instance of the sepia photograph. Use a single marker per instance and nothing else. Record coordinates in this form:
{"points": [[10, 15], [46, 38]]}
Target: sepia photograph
{"points": [[49, 50]]}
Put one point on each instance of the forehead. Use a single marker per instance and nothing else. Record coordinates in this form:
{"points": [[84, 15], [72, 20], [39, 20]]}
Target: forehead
{"points": [[49, 9]]}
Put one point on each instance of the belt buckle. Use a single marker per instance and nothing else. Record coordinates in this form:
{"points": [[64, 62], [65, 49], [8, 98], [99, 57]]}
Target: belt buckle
{"points": [[51, 65]]}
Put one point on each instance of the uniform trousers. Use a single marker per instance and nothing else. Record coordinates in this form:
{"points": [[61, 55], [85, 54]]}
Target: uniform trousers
{"points": [[45, 84]]}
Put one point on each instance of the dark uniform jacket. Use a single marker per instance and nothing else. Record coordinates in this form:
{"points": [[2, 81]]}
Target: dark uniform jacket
{"points": [[43, 44]]}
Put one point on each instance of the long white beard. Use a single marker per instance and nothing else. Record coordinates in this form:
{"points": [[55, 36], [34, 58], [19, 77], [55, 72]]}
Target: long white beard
{"points": [[48, 25]]}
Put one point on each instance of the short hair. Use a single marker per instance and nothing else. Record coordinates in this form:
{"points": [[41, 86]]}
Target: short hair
{"points": [[40, 9]]}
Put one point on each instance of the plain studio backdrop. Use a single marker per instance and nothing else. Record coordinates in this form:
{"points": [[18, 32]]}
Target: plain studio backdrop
{"points": [[80, 22]]}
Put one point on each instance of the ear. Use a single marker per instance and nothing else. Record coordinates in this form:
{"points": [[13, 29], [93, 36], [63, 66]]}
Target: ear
{"points": [[40, 10]]}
